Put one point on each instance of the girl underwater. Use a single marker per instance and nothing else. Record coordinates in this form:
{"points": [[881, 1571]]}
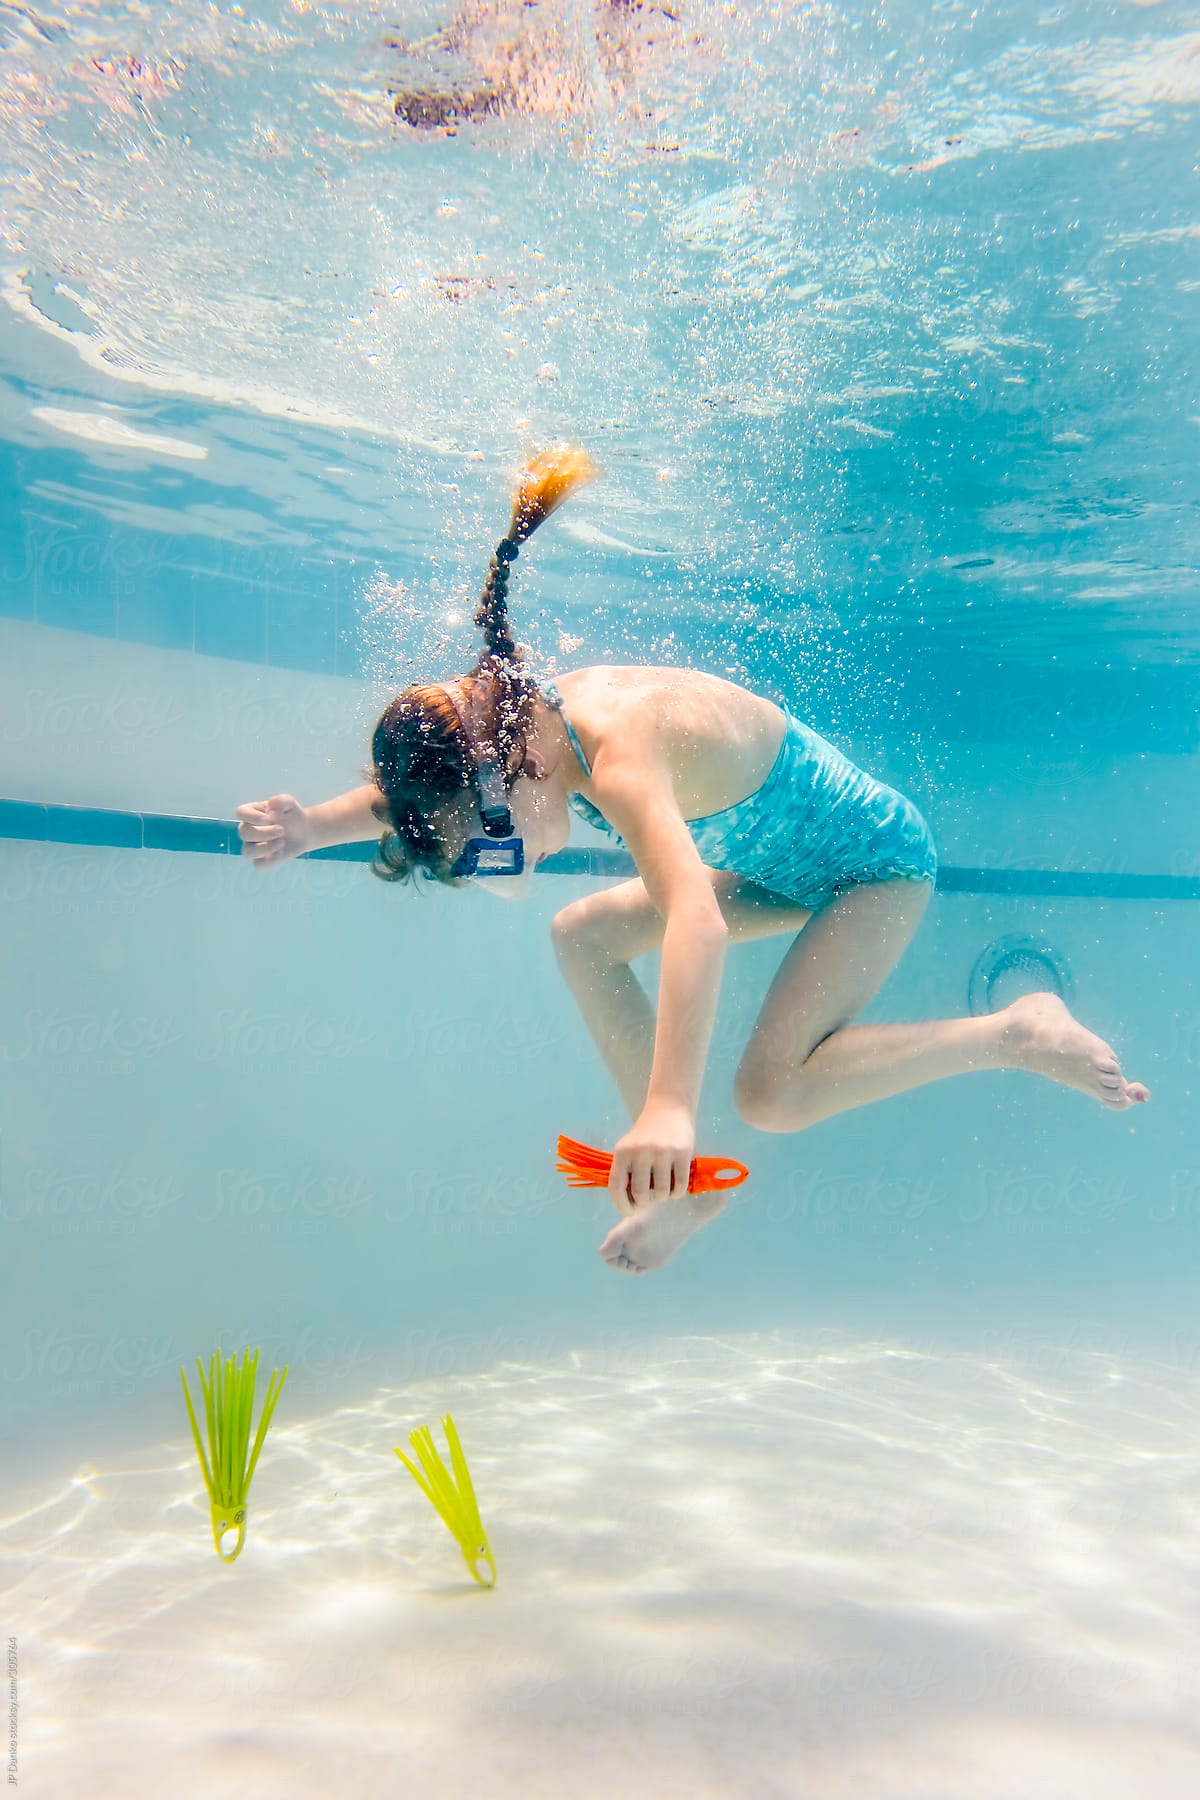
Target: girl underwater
{"points": [[742, 823]]}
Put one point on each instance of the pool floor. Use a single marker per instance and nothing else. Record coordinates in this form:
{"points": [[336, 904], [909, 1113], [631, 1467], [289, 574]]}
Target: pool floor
{"points": [[746, 1566]]}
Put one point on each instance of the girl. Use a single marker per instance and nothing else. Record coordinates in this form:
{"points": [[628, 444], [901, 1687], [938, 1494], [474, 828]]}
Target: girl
{"points": [[743, 823]]}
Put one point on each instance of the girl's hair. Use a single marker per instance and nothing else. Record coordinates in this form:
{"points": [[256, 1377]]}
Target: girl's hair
{"points": [[421, 755]]}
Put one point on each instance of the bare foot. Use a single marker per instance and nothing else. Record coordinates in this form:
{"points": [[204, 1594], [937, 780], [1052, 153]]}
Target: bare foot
{"points": [[651, 1235], [1039, 1034]]}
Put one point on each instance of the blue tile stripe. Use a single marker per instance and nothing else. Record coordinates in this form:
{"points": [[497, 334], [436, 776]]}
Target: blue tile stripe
{"points": [[1068, 884], [42, 823], [115, 830]]}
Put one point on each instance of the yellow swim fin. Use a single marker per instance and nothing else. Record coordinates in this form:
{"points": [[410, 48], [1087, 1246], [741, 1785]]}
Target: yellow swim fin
{"points": [[228, 1406], [451, 1493]]}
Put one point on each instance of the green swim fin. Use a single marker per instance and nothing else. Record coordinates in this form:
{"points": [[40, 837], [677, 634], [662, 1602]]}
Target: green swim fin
{"points": [[228, 1405], [451, 1493]]}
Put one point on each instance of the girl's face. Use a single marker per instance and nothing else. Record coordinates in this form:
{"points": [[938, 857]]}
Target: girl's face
{"points": [[538, 804], [539, 813], [540, 818]]}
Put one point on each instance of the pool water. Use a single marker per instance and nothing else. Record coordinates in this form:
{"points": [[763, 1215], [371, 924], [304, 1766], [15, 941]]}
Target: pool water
{"points": [[880, 327]]}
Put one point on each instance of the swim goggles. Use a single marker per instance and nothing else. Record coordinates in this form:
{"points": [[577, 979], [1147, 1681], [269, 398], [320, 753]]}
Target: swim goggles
{"points": [[500, 851]]}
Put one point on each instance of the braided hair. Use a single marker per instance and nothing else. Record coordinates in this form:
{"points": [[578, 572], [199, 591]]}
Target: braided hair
{"points": [[421, 754]]}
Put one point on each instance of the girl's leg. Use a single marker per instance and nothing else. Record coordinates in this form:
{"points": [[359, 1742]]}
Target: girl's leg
{"points": [[804, 1062], [597, 938]]}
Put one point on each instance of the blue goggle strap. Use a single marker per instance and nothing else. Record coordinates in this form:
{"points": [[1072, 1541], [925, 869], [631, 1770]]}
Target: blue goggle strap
{"points": [[494, 813]]}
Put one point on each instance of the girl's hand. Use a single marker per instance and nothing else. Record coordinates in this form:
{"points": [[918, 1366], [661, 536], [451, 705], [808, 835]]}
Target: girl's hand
{"points": [[272, 830], [655, 1153]]}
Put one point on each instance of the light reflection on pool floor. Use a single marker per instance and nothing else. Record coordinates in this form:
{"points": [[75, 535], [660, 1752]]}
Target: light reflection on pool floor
{"points": [[727, 1567]]}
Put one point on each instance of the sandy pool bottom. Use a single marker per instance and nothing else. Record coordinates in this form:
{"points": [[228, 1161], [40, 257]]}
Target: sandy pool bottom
{"points": [[726, 1568]]}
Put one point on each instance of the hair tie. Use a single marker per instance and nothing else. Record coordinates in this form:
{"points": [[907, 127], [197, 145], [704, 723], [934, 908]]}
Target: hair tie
{"points": [[507, 551]]}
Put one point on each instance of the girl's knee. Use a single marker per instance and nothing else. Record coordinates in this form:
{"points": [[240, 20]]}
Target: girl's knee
{"points": [[752, 1102], [775, 1089], [767, 1102], [569, 928], [582, 931], [566, 921], [612, 927]]}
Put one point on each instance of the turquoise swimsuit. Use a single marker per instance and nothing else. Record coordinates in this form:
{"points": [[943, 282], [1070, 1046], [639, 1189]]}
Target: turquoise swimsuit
{"points": [[817, 825]]}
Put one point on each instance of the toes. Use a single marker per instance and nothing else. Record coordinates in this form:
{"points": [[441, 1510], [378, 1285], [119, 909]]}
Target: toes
{"points": [[625, 1263], [615, 1251], [1118, 1094]]}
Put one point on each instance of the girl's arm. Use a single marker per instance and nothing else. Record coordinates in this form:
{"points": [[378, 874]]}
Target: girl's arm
{"points": [[274, 830], [348, 819], [634, 790]]}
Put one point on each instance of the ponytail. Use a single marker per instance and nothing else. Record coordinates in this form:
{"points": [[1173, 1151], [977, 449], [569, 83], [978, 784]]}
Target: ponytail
{"points": [[420, 753], [546, 483]]}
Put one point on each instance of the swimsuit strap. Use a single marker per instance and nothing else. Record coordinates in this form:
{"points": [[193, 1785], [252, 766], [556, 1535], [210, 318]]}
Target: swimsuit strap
{"points": [[554, 701]]}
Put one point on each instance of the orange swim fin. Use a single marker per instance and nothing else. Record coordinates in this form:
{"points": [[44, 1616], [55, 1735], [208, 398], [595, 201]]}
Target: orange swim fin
{"points": [[585, 1167]]}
